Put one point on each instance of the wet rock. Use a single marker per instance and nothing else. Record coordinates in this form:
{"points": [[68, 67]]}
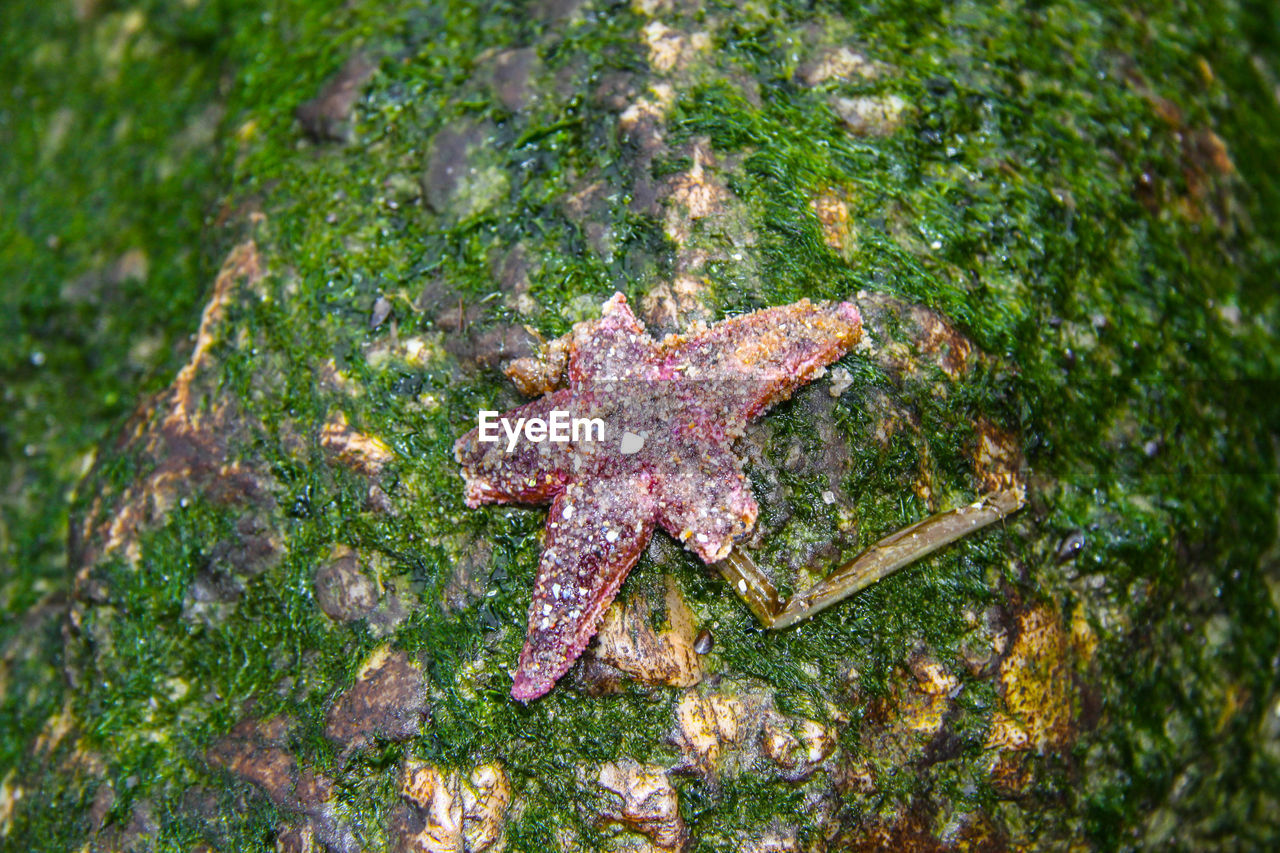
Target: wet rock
{"points": [[512, 70], [257, 751], [380, 312], [871, 115], [675, 305], [911, 826], [461, 178], [253, 548], [387, 701], [778, 840], [364, 453], [628, 641], [103, 284], [475, 342], [436, 297], [555, 11], [137, 831], [797, 747], [185, 439], [492, 345], [327, 116], [296, 838], [472, 557], [642, 798], [670, 50], [839, 63], [443, 812], [458, 317], [513, 270], [342, 590], [693, 195], [379, 501], [907, 340], [731, 730], [395, 605], [590, 206], [1037, 686], [615, 91]]}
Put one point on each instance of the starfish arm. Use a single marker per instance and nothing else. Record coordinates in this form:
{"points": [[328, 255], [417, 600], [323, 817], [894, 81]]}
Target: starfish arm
{"points": [[760, 358], [705, 500], [614, 347], [529, 473], [595, 533]]}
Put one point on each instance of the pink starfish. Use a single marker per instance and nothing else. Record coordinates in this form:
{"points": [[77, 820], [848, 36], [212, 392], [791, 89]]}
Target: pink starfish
{"points": [[671, 410]]}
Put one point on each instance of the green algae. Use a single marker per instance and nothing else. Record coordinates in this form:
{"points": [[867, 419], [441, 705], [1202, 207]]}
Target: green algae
{"points": [[1035, 133]]}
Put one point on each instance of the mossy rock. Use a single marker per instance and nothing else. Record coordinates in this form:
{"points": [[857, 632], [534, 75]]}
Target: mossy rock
{"points": [[283, 627]]}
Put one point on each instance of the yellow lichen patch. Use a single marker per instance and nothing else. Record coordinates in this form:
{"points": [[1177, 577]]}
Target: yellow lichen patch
{"points": [[837, 225], [1234, 699], [933, 678], [357, 450], [1035, 678], [1083, 638], [650, 7], [998, 461], [899, 726], [242, 265], [376, 661], [10, 794], [923, 713], [55, 729], [727, 733], [923, 485]]}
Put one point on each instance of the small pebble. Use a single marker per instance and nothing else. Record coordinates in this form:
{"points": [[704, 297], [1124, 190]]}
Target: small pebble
{"points": [[1071, 544], [381, 311]]}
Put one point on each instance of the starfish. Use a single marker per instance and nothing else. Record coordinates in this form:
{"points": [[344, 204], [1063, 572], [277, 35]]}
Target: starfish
{"points": [[670, 411]]}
